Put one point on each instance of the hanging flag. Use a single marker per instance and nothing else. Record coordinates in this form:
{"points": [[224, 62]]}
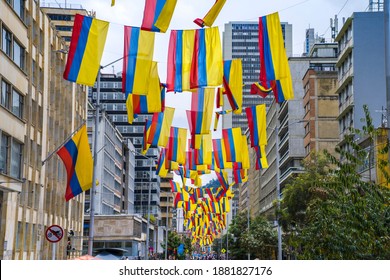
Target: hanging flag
{"points": [[232, 83], [207, 62], [152, 102], [273, 59], [175, 186], [86, 50], [177, 145], [160, 128], [112, 3], [200, 115], [257, 124], [77, 158], [160, 167], [232, 138], [219, 152], [212, 14], [180, 51], [158, 15], [137, 60], [204, 154]]}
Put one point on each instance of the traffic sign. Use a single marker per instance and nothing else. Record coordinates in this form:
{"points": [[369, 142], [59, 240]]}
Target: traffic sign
{"points": [[54, 233], [223, 251]]}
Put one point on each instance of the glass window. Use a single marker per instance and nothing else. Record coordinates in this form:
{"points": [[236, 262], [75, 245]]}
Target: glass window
{"points": [[4, 153], [19, 8], [5, 94], [17, 104], [16, 159], [19, 55], [7, 41]]}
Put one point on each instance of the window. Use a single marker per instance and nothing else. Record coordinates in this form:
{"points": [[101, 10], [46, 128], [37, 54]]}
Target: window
{"points": [[7, 41], [13, 49], [4, 153], [5, 94], [11, 99], [18, 6], [17, 104], [16, 159]]}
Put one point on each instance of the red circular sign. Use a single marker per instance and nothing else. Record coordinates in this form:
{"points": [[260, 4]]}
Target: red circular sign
{"points": [[54, 233]]}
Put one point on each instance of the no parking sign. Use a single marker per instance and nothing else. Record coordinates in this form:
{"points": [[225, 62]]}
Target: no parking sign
{"points": [[54, 233]]}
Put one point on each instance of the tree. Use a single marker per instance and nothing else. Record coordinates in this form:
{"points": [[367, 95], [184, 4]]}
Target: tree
{"points": [[173, 242], [340, 215], [261, 240], [237, 228]]}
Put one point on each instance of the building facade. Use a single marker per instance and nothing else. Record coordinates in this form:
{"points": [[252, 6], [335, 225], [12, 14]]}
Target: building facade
{"points": [[38, 111], [320, 101], [112, 100], [361, 71]]}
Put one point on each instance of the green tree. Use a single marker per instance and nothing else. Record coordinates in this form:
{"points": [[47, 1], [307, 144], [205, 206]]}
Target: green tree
{"points": [[237, 228], [342, 215], [261, 240], [173, 242]]}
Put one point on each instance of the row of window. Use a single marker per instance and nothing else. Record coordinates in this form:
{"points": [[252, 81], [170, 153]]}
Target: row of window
{"points": [[11, 156], [11, 99]]}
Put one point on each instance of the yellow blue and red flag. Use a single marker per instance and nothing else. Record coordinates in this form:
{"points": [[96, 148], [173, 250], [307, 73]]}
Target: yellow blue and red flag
{"points": [[77, 158], [273, 59], [137, 60], [158, 15], [211, 15], [85, 50]]}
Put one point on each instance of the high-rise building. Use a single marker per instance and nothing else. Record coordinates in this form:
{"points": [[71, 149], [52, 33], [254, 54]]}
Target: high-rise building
{"points": [[361, 70], [39, 111], [112, 100]]}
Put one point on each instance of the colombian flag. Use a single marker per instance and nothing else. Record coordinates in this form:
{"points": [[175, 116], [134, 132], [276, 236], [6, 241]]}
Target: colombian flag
{"points": [[220, 156], [177, 145], [207, 62], [273, 58], [232, 138], [86, 50], [232, 83], [180, 51], [158, 15], [212, 14], [257, 124], [77, 158], [137, 60], [160, 128], [153, 102]]}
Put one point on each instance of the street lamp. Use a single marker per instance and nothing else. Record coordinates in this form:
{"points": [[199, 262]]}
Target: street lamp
{"points": [[166, 229]]}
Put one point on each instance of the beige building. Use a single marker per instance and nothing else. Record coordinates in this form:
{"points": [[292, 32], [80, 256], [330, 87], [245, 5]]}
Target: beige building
{"points": [[321, 110], [38, 111]]}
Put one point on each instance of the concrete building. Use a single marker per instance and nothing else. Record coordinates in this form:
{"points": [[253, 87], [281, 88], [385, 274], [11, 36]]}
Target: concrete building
{"points": [[122, 231], [62, 16], [166, 203], [38, 111], [361, 70], [109, 196], [113, 101], [320, 100]]}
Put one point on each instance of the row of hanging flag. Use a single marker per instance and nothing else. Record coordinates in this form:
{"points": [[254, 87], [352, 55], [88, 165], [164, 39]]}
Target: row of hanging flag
{"points": [[195, 65]]}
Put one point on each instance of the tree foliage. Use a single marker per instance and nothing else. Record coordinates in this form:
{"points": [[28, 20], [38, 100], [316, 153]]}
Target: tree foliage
{"points": [[261, 240], [332, 211]]}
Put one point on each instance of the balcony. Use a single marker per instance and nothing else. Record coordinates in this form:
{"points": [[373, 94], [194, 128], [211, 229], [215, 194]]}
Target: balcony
{"points": [[289, 172]]}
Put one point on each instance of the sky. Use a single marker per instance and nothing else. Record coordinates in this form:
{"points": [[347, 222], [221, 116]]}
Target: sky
{"points": [[302, 14]]}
